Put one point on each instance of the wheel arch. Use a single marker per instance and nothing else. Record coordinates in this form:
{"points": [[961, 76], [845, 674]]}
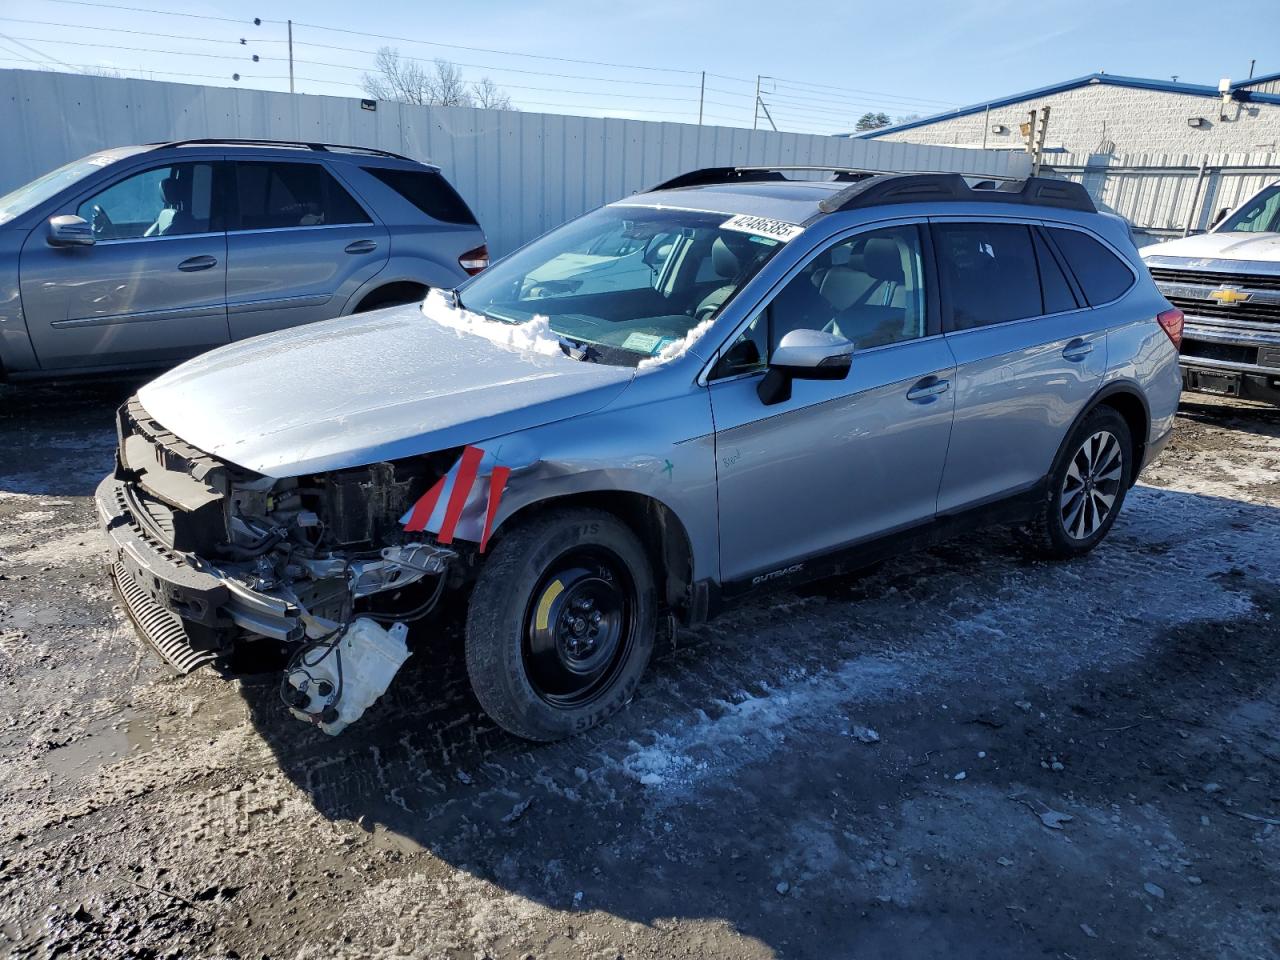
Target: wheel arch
{"points": [[1125, 397], [390, 293], [660, 530]]}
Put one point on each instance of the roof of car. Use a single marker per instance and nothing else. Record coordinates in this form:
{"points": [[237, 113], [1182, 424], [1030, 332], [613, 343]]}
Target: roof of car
{"points": [[331, 150], [768, 192]]}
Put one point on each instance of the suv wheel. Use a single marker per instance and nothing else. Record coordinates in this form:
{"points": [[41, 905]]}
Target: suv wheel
{"points": [[560, 624], [1087, 486]]}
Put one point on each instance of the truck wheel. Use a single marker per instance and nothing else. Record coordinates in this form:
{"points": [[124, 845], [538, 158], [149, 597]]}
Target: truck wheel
{"points": [[560, 624], [1086, 488]]}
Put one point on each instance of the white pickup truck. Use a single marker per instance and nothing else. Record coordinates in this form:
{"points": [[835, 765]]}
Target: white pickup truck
{"points": [[1227, 283]]}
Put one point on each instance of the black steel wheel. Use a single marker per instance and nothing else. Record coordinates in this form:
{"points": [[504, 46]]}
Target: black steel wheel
{"points": [[579, 625], [560, 624]]}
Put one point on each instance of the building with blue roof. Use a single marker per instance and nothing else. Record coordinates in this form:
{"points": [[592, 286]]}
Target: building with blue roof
{"points": [[1103, 113]]}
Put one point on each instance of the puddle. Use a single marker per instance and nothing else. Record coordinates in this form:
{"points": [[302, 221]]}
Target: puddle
{"points": [[107, 740]]}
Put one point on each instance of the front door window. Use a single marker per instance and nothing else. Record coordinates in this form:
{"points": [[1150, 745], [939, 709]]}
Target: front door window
{"points": [[168, 201]]}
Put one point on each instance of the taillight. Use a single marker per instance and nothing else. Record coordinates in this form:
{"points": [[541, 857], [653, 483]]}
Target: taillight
{"points": [[473, 261], [1171, 322]]}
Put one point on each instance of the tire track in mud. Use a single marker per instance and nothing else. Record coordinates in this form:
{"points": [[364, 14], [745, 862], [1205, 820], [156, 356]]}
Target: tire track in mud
{"points": [[736, 769]]}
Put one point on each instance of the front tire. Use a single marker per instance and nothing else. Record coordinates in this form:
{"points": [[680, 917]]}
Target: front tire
{"points": [[560, 625], [1087, 486]]}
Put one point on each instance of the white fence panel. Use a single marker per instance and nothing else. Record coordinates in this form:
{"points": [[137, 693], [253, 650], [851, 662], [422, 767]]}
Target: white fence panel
{"points": [[522, 173], [1164, 195]]}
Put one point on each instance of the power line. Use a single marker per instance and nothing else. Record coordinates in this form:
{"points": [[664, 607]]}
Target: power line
{"points": [[165, 13], [38, 53], [507, 53], [479, 66], [137, 33], [138, 70], [110, 46], [874, 93], [513, 86]]}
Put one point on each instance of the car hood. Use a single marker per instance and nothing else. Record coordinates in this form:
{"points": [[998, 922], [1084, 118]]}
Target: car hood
{"points": [[367, 388], [1231, 248]]}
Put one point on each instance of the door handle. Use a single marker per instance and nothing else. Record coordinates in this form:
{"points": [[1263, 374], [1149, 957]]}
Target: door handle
{"points": [[361, 246], [191, 264], [1077, 350], [928, 389]]}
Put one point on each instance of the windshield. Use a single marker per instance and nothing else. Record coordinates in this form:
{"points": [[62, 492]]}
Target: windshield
{"points": [[43, 188], [628, 281], [1260, 215]]}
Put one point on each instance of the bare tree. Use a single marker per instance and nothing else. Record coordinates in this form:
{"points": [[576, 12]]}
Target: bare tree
{"points": [[490, 96], [408, 81]]}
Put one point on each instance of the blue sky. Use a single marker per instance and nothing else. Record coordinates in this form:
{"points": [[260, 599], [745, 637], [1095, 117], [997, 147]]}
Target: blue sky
{"points": [[825, 68]]}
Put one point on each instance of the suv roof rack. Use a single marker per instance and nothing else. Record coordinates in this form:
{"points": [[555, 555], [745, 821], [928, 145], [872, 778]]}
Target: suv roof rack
{"points": [[296, 144], [952, 188], [869, 187]]}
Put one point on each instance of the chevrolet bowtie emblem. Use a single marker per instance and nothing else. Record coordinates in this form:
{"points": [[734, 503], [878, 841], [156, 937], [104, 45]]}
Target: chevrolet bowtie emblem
{"points": [[1228, 295]]}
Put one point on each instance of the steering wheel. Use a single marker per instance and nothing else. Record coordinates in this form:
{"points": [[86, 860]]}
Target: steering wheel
{"points": [[101, 222]]}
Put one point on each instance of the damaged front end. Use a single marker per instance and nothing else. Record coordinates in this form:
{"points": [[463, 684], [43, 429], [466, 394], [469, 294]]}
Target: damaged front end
{"points": [[325, 571]]}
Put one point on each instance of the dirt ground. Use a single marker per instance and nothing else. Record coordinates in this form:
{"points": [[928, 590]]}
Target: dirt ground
{"points": [[965, 754]]}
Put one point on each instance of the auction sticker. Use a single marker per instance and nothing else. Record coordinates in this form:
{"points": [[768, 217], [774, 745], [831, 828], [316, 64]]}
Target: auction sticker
{"points": [[763, 227]]}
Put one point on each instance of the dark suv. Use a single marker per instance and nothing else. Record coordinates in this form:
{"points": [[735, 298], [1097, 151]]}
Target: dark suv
{"points": [[144, 256]]}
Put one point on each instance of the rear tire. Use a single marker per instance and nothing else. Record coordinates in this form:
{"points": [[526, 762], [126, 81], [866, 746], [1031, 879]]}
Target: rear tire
{"points": [[560, 624], [1087, 487]]}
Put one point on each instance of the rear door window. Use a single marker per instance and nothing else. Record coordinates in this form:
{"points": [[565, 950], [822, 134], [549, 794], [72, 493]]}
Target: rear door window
{"points": [[428, 191], [989, 272], [1058, 295], [1101, 274], [272, 196]]}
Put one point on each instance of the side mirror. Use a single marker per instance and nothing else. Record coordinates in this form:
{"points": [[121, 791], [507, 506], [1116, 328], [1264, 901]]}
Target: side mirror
{"points": [[69, 230], [1222, 215], [804, 355]]}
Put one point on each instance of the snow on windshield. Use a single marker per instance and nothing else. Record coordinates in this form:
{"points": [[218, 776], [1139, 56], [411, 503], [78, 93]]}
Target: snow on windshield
{"points": [[678, 348], [534, 335]]}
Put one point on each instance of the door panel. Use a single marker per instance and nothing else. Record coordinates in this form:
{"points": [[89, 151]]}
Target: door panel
{"points": [[124, 301], [839, 462], [1021, 380], [303, 245]]}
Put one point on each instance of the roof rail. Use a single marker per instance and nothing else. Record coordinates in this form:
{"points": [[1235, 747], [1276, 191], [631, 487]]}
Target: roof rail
{"points": [[299, 144], [749, 174], [952, 187]]}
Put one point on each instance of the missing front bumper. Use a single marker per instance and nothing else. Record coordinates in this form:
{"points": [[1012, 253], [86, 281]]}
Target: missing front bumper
{"points": [[191, 616]]}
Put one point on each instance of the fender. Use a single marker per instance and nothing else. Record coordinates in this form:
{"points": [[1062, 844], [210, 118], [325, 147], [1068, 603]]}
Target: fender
{"points": [[1128, 388]]}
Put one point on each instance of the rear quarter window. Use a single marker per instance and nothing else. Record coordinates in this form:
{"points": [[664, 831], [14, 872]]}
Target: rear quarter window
{"points": [[428, 191], [1101, 274]]}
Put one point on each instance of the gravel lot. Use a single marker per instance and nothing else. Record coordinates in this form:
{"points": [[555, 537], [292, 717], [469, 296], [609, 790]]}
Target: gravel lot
{"points": [[963, 754]]}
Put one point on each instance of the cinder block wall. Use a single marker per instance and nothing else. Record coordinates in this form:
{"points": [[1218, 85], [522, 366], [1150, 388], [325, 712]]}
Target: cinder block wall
{"points": [[1136, 121]]}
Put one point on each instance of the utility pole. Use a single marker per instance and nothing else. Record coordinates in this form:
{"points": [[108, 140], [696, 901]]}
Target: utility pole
{"points": [[755, 109], [1033, 132], [290, 56], [702, 93], [768, 116]]}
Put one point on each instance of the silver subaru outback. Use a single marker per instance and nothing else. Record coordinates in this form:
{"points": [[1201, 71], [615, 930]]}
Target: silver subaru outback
{"points": [[144, 256], [738, 380]]}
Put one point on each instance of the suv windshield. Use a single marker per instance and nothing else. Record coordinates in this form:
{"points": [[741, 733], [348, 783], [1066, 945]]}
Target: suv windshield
{"points": [[628, 279], [42, 188], [1260, 215]]}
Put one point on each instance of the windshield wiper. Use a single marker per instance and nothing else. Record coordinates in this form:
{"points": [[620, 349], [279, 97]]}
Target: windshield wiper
{"points": [[576, 350]]}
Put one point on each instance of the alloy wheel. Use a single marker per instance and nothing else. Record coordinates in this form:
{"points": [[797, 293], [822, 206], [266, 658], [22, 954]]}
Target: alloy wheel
{"points": [[1091, 485]]}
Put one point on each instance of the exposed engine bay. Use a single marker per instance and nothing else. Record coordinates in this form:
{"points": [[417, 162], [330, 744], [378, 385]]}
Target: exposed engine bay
{"points": [[321, 564]]}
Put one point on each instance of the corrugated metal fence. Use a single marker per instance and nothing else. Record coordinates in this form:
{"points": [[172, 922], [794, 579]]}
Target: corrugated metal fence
{"points": [[1165, 196], [522, 173]]}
